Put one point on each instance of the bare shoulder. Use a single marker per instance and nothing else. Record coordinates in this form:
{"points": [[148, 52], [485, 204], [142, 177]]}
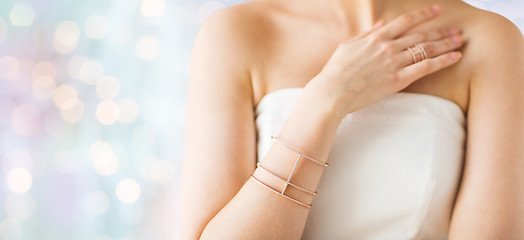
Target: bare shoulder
{"points": [[231, 40], [492, 36], [494, 49], [241, 25]]}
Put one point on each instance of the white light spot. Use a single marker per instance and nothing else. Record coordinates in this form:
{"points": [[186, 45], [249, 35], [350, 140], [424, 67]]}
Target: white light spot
{"points": [[128, 190], [22, 15], [128, 110], [72, 110], [26, 120], [63, 94], [90, 72], [20, 207], [66, 37], [19, 180], [67, 33], [107, 112], [107, 87], [103, 157], [99, 146], [97, 203], [63, 49], [68, 103], [207, 8], [44, 86], [153, 8], [147, 48], [3, 29], [105, 163], [9, 67], [96, 27]]}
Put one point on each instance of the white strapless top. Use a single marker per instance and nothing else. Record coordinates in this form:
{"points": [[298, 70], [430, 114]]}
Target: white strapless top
{"points": [[394, 167]]}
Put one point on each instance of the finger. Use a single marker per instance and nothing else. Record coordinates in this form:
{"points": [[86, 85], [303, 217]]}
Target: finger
{"points": [[375, 27], [407, 21], [379, 24], [418, 70], [414, 38], [433, 49]]}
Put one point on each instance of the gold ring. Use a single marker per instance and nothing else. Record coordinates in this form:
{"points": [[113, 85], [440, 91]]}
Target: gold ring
{"points": [[423, 51], [416, 51]]}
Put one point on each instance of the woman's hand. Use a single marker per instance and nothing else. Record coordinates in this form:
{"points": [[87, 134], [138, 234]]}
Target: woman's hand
{"points": [[373, 65]]}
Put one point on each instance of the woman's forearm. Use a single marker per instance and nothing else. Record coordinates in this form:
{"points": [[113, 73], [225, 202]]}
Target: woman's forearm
{"points": [[257, 213]]}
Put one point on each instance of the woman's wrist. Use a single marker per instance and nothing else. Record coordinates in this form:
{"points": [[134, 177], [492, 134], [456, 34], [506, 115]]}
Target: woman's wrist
{"points": [[324, 100]]}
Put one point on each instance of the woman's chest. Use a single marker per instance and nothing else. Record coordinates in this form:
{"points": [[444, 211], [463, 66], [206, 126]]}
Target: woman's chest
{"points": [[296, 54]]}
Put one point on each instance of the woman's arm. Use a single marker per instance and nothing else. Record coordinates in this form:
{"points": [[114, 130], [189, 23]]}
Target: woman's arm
{"points": [[490, 203], [219, 199], [220, 136], [220, 143]]}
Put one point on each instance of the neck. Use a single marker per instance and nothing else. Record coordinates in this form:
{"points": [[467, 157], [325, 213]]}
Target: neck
{"points": [[358, 15], [355, 13]]}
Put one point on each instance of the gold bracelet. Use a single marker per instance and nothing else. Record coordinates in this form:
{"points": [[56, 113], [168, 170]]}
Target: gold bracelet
{"points": [[259, 165], [287, 181], [299, 153], [281, 194]]}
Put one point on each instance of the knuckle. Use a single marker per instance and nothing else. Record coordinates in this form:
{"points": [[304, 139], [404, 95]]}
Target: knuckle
{"points": [[387, 48], [375, 37], [395, 78], [408, 18], [425, 66], [397, 82], [422, 36], [429, 48], [427, 12], [390, 63]]}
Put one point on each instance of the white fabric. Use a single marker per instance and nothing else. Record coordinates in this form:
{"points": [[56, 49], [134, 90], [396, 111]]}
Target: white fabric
{"points": [[394, 167]]}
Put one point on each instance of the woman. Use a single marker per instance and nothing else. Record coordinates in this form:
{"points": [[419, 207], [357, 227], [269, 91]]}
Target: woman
{"points": [[380, 91]]}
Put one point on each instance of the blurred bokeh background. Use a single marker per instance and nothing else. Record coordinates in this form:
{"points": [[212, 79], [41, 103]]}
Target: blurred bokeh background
{"points": [[92, 96]]}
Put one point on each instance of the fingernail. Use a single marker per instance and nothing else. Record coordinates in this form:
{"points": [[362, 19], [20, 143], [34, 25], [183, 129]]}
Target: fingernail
{"points": [[455, 55], [453, 31], [378, 24], [436, 8], [457, 39]]}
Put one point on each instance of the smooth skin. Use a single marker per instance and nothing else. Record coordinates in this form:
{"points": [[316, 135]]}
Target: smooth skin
{"points": [[344, 68]]}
